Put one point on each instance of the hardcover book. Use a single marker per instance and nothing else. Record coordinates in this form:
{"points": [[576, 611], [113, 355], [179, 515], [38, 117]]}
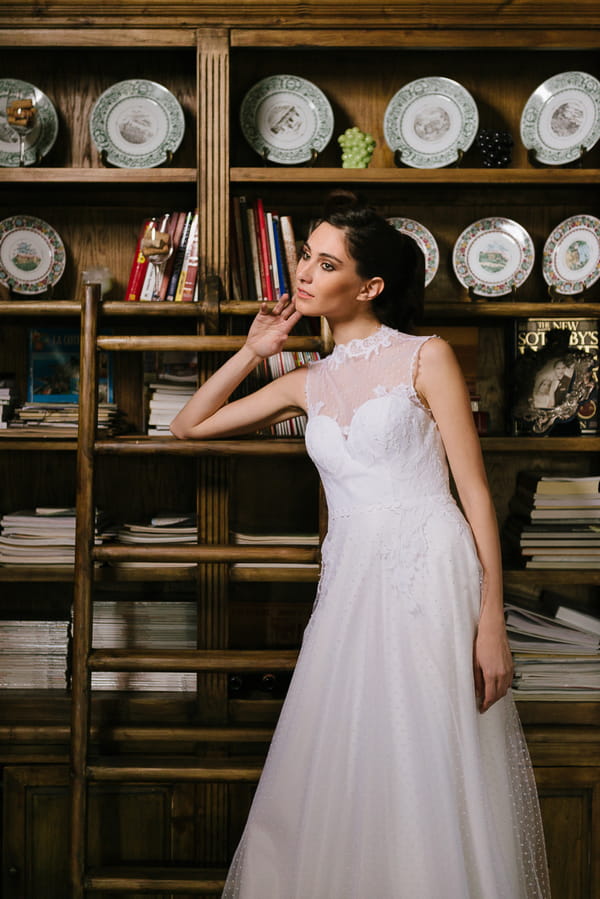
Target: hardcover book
{"points": [[555, 376]]}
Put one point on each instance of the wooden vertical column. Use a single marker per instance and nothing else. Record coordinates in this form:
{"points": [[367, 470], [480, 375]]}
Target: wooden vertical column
{"points": [[82, 592], [212, 476]]}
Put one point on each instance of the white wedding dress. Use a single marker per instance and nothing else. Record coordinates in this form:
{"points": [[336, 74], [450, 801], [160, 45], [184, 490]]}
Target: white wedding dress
{"points": [[383, 780]]}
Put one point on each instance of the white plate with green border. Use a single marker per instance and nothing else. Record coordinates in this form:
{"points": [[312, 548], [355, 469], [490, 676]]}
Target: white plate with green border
{"points": [[493, 256], [430, 121], [286, 119], [571, 259], [40, 139], [137, 123]]}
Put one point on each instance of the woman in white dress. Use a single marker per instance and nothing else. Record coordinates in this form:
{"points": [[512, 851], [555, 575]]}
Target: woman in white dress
{"points": [[398, 769]]}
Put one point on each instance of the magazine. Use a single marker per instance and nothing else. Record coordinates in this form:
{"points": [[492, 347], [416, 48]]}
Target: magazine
{"points": [[54, 367]]}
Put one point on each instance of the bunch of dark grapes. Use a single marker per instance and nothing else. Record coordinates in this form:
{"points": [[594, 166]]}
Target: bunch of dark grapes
{"points": [[495, 148]]}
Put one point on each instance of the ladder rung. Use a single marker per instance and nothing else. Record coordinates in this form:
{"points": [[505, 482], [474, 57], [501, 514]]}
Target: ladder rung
{"points": [[282, 446], [211, 770], [191, 660], [218, 344], [201, 881], [205, 553]]}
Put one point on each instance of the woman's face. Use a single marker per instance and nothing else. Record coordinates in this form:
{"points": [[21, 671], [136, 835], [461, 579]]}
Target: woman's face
{"points": [[327, 282]]}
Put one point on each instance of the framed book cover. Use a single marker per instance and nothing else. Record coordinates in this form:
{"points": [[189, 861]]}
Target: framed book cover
{"points": [[554, 368], [53, 375]]}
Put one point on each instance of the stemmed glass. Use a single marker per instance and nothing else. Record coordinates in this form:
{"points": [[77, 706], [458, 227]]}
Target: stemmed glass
{"points": [[156, 247], [21, 114]]}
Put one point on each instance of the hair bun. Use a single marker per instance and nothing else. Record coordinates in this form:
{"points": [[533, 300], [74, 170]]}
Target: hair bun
{"points": [[340, 200]]}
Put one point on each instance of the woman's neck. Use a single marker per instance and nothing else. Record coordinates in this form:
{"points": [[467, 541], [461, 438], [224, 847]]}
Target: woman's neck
{"points": [[357, 329]]}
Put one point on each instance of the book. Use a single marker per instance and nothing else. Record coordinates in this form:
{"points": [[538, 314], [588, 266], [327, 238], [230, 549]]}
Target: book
{"points": [[179, 255], [138, 270], [548, 485], [554, 371], [264, 255], [53, 375], [239, 263], [570, 615], [189, 273], [254, 254], [289, 249]]}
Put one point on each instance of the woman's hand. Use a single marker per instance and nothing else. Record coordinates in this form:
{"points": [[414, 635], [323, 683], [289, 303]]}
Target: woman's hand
{"points": [[271, 327], [492, 664]]}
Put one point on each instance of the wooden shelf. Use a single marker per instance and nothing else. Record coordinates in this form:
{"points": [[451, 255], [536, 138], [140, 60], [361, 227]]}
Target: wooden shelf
{"points": [[491, 177], [552, 576], [36, 175]]}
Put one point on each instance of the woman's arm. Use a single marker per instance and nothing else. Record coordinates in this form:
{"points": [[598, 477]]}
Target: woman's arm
{"points": [[441, 384], [207, 414]]}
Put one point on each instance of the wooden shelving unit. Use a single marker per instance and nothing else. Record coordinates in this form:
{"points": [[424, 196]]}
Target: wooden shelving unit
{"points": [[209, 57]]}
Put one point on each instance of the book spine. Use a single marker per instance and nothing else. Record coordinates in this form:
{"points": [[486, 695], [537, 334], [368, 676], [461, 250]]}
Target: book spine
{"points": [[174, 227], [179, 255], [272, 256], [138, 270], [187, 279], [279, 260], [238, 244], [289, 250], [253, 294], [264, 254], [254, 255]]}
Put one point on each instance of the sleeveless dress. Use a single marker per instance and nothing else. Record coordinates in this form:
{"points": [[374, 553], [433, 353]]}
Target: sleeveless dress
{"points": [[383, 780]]}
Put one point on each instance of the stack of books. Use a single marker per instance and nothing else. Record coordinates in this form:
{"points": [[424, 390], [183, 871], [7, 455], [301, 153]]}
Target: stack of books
{"points": [[555, 521], [34, 655], [8, 399], [59, 420], [272, 368], [180, 274], [44, 536], [556, 650], [264, 253], [168, 528], [167, 625], [245, 539], [171, 379]]}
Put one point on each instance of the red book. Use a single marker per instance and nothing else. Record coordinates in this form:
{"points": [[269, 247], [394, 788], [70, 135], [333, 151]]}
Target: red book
{"points": [[174, 227], [263, 247], [138, 269]]}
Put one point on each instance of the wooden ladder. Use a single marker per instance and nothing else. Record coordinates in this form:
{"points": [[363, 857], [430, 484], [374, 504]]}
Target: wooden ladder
{"points": [[83, 768]]}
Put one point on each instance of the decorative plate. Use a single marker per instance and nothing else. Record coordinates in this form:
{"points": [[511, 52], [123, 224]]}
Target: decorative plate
{"points": [[40, 139], [32, 255], [138, 123], [425, 240], [571, 260], [561, 117], [492, 256], [286, 118], [429, 121]]}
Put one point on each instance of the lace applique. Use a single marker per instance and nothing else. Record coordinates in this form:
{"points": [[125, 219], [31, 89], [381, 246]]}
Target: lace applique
{"points": [[362, 347]]}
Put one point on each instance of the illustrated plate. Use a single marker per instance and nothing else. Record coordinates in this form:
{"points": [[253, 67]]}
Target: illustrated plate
{"points": [[138, 123], [429, 121], [571, 259], [285, 118], [42, 136], [32, 255], [493, 256], [561, 119], [426, 242]]}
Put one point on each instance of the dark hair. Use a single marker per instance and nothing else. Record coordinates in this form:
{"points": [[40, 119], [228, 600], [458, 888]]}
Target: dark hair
{"points": [[380, 250]]}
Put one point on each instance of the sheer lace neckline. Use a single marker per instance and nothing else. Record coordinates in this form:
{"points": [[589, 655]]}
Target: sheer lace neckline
{"points": [[363, 347]]}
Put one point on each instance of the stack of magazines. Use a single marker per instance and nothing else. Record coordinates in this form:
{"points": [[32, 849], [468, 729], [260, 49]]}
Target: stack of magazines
{"points": [[171, 378], [44, 536], [34, 655], [245, 539], [556, 650], [555, 521], [169, 625], [8, 399], [166, 528], [58, 420]]}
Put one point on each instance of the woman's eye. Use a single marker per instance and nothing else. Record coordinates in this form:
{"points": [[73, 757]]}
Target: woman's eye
{"points": [[328, 267]]}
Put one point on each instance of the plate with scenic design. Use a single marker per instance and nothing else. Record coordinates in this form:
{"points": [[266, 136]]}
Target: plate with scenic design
{"points": [[40, 139], [424, 239], [561, 119], [138, 123], [32, 255], [493, 256], [571, 260], [285, 118], [429, 121]]}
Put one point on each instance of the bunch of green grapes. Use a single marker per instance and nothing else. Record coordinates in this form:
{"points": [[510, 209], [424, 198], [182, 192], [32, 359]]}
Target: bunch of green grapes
{"points": [[357, 148]]}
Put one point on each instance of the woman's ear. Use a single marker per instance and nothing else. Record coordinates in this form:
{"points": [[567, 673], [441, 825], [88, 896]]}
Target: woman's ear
{"points": [[371, 289]]}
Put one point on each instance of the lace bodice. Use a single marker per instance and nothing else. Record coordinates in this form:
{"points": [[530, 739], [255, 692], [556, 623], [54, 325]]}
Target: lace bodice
{"points": [[372, 439]]}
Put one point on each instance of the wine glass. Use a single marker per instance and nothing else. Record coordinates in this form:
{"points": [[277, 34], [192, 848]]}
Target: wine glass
{"points": [[21, 114], [156, 247]]}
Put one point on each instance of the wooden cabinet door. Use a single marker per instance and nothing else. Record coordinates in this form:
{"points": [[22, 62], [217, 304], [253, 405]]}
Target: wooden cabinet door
{"points": [[570, 803], [128, 824]]}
